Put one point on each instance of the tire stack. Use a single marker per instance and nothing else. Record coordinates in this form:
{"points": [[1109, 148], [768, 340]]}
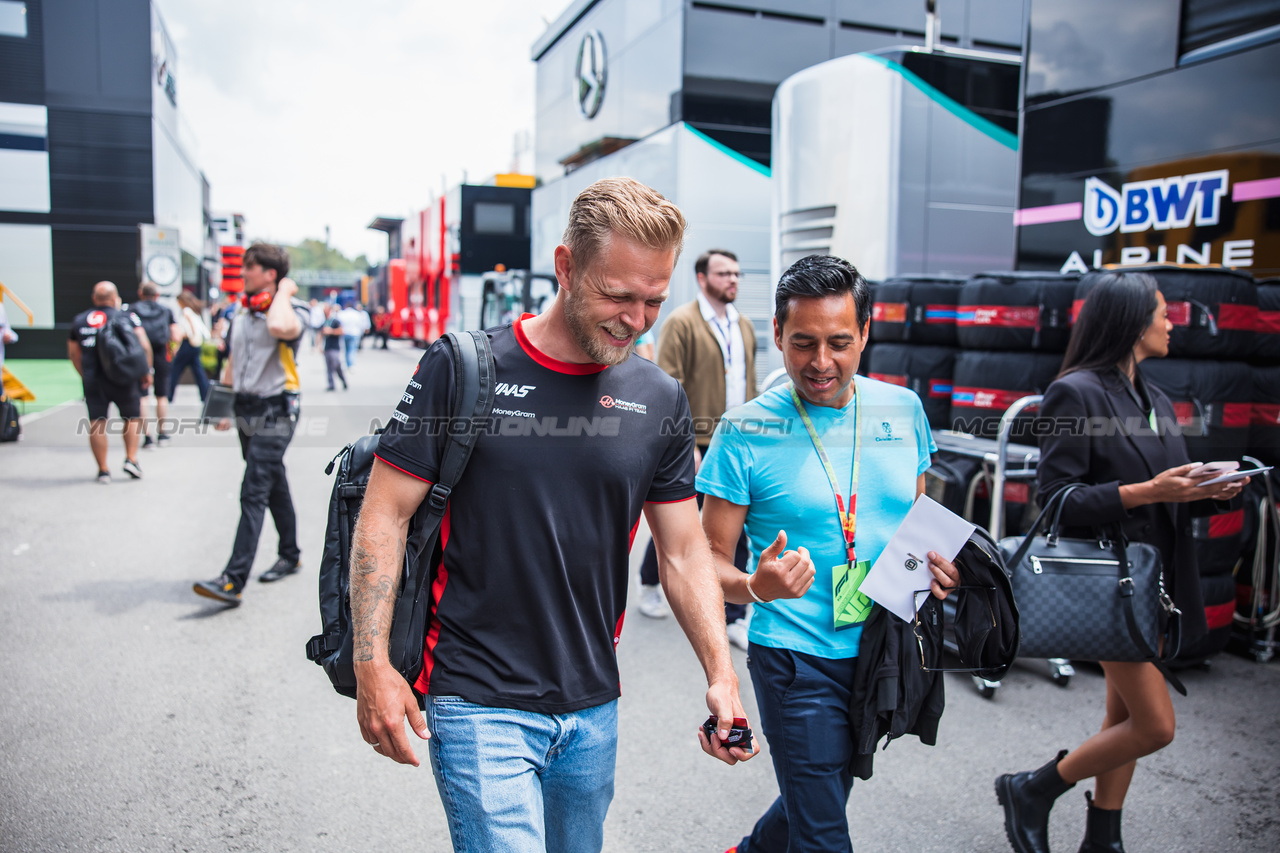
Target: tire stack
{"points": [[1208, 378], [1264, 429], [913, 334], [1012, 328]]}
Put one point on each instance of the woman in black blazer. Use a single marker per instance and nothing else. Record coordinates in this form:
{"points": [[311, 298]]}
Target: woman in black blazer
{"points": [[1135, 476]]}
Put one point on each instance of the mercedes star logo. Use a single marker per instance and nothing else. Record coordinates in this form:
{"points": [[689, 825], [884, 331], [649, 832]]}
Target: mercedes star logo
{"points": [[592, 73]]}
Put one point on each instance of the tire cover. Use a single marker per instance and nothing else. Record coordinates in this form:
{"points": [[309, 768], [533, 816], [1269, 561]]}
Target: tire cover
{"points": [[1267, 343], [1264, 426], [1016, 310], [1213, 401], [984, 384], [926, 370], [917, 308], [1214, 311]]}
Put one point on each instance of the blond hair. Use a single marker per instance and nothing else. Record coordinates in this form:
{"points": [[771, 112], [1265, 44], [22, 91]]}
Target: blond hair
{"points": [[626, 207]]}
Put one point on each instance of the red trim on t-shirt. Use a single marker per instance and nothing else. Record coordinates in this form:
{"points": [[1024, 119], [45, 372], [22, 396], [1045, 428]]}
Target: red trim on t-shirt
{"points": [[401, 470], [423, 684], [632, 539], [547, 361]]}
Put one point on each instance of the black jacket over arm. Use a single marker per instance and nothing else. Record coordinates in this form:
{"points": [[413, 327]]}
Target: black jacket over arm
{"points": [[1101, 437]]}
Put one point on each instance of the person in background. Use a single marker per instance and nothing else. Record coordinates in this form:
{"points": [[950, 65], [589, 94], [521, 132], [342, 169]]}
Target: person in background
{"points": [[368, 324], [193, 334], [161, 326], [644, 347], [316, 323], [332, 333], [1136, 480], [381, 325], [100, 393], [352, 320], [710, 348], [7, 335], [262, 369], [221, 314]]}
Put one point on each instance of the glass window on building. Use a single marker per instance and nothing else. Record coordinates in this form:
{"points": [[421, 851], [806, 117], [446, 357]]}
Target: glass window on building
{"points": [[1212, 22], [13, 19], [492, 218]]}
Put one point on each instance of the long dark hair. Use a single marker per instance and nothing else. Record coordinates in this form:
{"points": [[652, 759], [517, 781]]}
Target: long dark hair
{"points": [[1114, 317]]}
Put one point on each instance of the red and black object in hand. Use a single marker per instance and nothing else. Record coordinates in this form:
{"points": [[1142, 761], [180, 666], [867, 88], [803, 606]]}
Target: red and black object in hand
{"points": [[739, 735]]}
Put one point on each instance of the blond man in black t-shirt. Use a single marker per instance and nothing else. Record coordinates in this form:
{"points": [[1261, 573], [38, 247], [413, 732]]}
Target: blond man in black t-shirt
{"points": [[520, 676]]}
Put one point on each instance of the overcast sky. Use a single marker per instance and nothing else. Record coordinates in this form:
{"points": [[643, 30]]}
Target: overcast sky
{"points": [[325, 112]]}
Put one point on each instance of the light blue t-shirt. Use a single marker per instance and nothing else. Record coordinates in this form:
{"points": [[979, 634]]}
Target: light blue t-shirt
{"points": [[762, 457]]}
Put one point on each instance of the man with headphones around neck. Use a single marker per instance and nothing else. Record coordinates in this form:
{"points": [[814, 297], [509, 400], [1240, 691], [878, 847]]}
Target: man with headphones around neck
{"points": [[262, 347]]}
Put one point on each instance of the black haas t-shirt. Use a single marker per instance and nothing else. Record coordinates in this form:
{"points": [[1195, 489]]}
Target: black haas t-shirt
{"points": [[529, 596]]}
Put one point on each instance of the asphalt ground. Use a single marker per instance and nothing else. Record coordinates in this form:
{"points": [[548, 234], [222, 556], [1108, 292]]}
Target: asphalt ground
{"points": [[136, 716]]}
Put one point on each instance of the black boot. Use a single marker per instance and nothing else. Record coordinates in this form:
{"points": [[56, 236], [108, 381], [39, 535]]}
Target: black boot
{"points": [[1027, 798], [1102, 831]]}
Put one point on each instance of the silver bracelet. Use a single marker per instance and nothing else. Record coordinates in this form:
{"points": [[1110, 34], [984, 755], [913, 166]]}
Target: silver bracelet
{"points": [[752, 592]]}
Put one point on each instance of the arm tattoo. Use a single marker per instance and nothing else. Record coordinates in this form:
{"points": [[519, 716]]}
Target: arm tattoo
{"points": [[376, 559]]}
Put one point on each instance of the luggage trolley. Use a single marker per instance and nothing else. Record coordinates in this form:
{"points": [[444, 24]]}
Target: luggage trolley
{"points": [[1257, 628], [1002, 462]]}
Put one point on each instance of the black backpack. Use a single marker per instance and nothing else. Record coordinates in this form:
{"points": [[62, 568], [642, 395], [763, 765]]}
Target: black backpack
{"points": [[473, 376], [120, 353], [156, 320], [10, 426]]}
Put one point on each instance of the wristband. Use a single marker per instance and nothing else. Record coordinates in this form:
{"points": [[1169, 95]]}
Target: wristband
{"points": [[752, 592]]}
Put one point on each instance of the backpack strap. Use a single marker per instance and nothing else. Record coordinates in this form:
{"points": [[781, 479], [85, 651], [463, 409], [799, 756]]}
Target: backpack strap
{"points": [[473, 375], [473, 382]]}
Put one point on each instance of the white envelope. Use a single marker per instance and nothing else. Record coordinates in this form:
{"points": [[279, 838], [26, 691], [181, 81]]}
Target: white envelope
{"points": [[903, 565]]}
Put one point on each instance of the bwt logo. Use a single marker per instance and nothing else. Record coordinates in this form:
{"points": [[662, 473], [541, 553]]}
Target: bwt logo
{"points": [[513, 390], [1160, 203]]}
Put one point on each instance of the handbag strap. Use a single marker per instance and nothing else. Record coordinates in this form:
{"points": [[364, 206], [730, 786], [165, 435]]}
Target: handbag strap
{"points": [[1051, 509], [1173, 639]]}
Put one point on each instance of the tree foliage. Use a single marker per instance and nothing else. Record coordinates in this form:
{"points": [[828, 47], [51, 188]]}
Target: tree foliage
{"points": [[315, 255]]}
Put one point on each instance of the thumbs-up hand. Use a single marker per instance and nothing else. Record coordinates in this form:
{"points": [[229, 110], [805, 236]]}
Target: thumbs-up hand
{"points": [[781, 573]]}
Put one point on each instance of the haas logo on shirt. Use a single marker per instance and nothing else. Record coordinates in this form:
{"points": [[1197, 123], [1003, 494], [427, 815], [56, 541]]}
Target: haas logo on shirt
{"points": [[614, 403], [97, 319], [509, 390]]}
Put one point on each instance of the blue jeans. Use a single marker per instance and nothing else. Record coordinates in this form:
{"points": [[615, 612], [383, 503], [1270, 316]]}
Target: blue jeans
{"points": [[349, 344], [523, 782], [804, 714], [186, 356]]}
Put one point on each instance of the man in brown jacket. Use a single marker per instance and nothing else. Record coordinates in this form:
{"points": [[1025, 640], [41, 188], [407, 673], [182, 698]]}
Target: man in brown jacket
{"points": [[710, 348]]}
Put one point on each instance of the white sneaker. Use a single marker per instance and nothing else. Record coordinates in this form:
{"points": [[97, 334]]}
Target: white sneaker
{"points": [[651, 602], [737, 632]]}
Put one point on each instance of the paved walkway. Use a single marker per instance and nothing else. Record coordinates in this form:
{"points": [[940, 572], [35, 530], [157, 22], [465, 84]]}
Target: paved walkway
{"points": [[135, 716]]}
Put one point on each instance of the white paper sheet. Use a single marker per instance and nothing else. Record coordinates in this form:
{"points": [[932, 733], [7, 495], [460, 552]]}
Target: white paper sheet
{"points": [[903, 565], [1232, 477]]}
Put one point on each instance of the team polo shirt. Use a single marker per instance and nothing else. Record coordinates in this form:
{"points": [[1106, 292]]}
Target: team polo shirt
{"points": [[761, 457], [529, 596]]}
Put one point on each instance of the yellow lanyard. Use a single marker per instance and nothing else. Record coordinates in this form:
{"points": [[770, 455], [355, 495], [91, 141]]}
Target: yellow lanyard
{"points": [[849, 519]]}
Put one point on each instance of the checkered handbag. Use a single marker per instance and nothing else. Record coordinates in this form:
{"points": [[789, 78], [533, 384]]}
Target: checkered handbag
{"points": [[1098, 599]]}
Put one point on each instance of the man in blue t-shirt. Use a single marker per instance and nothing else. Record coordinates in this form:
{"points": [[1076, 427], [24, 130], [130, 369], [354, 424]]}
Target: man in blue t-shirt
{"points": [[830, 463]]}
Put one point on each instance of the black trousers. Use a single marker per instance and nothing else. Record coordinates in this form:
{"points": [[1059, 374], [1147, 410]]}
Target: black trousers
{"points": [[649, 571], [266, 427]]}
